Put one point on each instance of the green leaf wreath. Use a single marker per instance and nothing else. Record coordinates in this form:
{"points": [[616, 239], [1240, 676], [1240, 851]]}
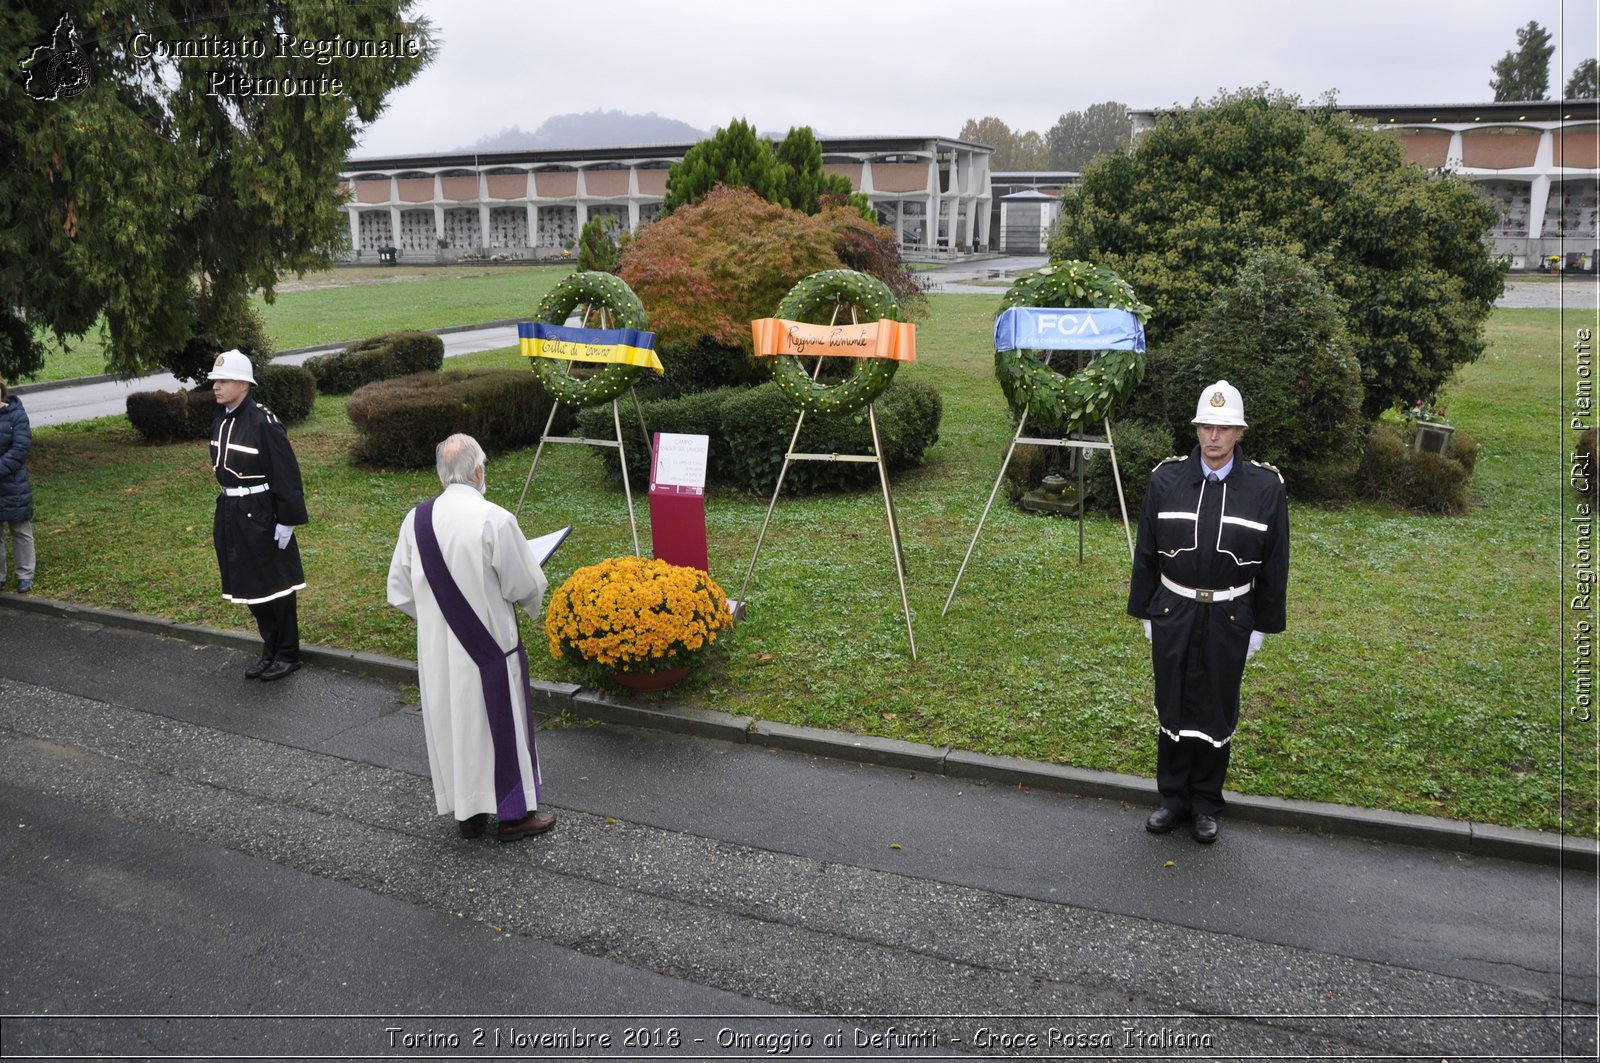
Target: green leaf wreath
{"points": [[627, 312], [1054, 401], [816, 297]]}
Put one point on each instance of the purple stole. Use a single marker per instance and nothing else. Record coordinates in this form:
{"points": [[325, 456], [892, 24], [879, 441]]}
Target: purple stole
{"points": [[469, 630]]}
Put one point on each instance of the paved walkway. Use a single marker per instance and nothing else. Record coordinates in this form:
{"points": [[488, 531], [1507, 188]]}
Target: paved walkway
{"points": [[179, 841]]}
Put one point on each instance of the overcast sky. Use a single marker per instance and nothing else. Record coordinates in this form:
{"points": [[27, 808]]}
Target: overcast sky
{"points": [[923, 67]]}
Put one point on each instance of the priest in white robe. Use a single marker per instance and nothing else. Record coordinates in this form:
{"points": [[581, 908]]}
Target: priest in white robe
{"points": [[460, 568]]}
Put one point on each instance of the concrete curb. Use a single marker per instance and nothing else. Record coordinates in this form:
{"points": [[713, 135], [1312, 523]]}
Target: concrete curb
{"points": [[1432, 832]]}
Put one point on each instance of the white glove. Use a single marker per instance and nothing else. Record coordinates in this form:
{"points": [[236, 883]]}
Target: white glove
{"points": [[1146, 624], [283, 533], [1256, 639]]}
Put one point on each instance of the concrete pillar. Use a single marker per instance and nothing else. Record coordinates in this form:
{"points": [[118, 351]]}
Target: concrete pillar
{"points": [[438, 222], [533, 223], [355, 229], [1538, 200], [483, 224]]}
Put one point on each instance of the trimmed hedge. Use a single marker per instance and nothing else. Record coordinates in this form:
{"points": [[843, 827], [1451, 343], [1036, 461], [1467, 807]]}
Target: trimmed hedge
{"points": [[163, 416], [290, 391], [385, 357], [750, 430], [1432, 483], [402, 420]]}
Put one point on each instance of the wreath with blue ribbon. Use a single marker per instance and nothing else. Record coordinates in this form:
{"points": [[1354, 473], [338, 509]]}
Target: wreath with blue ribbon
{"points": [[627, 312], [1059, 402], [815, 296]]}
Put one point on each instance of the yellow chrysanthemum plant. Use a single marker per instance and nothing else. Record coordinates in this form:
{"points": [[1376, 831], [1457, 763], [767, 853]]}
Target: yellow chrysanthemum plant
{"points": [[635, 614]]}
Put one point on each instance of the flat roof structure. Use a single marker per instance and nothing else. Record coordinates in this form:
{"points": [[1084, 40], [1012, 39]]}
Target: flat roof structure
{"points": [[934, 192]]}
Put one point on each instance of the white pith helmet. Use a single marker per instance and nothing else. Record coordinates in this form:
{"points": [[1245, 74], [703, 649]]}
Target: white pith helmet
{"points": [[233, 365], [1220, 404]]}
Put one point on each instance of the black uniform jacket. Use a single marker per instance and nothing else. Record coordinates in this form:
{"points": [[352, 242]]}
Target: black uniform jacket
{"points": [[1209, 536], [250, 449]]}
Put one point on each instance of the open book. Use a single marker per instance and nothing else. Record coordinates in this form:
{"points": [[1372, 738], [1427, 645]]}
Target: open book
{"points": [[545, 545]]}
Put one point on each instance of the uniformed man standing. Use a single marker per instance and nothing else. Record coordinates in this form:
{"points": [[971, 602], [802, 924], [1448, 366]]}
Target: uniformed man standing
{"points": [[1210, 574], [261, 502]]}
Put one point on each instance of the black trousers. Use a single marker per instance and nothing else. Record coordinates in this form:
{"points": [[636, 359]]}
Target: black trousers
{"points": [[279, 624], [1190, 774]]}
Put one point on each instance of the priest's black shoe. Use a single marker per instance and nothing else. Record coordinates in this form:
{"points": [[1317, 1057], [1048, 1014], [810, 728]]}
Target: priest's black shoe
{"points": [[1204, 828], [279, 669], [255, 670], [1162, 820]]}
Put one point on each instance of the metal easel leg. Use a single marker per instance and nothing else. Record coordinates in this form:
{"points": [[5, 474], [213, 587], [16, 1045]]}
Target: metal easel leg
{"points": [[648, 445], [622, 456], [548, 421], [979, 529], [793, 439], [894, 529], [1116, 474]]}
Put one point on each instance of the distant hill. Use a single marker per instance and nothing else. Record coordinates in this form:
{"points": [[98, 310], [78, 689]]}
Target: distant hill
{"points": [[597, 129]]}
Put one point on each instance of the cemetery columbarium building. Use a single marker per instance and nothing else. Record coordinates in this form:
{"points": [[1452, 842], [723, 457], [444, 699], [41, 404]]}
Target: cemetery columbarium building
{"points": [[932, 191]]}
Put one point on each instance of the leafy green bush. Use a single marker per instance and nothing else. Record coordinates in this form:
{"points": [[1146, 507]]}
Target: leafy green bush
{"points": [[698, 413], [402, 420], [163, 416], [290, 391], [1276, 333], [704, 365], [1464, 448], [1179, 213], [385, 357], [1028, 466], [750, 429], [1140, 448], [759, 422], [1390, 473]]}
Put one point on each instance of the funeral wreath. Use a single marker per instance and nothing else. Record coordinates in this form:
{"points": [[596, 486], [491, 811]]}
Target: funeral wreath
{"points": [[596, 291], [822, 295], [1055, 401], [635, 614]]}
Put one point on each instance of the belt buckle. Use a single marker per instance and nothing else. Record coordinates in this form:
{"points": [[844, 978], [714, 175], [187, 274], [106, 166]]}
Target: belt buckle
{"points": [[1203, 596]]}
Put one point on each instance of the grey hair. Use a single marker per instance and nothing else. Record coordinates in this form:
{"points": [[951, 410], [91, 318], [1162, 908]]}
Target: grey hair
{"points": [[458, 459]]}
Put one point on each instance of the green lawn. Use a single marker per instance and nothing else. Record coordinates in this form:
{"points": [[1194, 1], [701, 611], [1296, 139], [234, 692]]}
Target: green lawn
{"points": [[351, 303], [1420, 671]]}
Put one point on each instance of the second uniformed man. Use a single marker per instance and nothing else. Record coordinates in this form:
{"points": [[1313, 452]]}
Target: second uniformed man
{"points": [[261, 503], [1210, 573]]}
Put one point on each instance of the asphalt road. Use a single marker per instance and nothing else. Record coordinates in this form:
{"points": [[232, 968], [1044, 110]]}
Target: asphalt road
{"points": [[194, 864]]}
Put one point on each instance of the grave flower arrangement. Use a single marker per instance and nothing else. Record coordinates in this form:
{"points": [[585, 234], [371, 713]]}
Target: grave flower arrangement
{"points": [[635, 614]]}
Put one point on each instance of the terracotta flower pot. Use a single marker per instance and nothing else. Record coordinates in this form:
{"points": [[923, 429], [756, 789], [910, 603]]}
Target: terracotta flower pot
{"points": [[651, 682]]}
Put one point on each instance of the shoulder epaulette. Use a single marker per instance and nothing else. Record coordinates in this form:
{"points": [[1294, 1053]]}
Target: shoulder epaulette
{"points": [[1264, 465], [1163, 461]]}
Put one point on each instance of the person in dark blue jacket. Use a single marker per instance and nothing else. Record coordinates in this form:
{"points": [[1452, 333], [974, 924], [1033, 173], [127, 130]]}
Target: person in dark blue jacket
{"points": [[16, 493]]}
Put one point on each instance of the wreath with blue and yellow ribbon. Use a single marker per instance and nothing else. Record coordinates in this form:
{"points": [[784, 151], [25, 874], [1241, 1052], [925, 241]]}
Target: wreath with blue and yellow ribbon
{"points": [[627, 312]]}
